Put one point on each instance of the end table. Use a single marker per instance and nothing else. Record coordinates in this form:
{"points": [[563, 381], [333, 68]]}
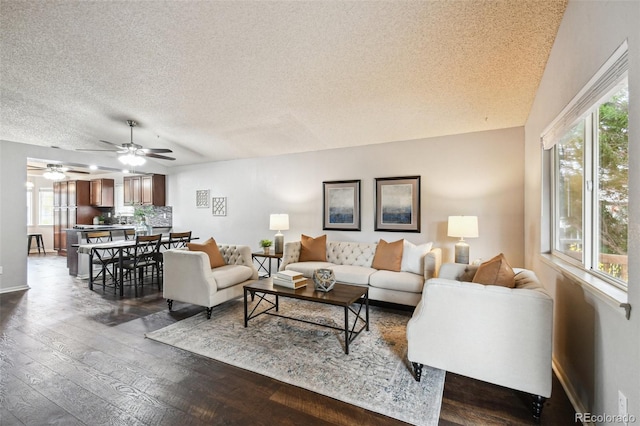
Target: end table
{"points": [[264, 261]]}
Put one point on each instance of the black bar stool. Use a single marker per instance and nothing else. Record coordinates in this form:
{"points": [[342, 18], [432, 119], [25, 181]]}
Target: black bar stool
{"points": [[39, 243]]}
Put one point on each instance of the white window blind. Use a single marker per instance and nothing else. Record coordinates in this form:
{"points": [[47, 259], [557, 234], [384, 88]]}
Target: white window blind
{"points": [[603, 82]]}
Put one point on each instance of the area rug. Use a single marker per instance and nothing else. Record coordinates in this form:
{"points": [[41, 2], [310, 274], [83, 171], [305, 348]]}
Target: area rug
{"points": [[375, 375]]}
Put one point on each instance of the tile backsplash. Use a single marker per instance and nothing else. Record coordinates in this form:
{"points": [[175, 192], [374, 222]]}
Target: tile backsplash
{"points": [[158, 216]]}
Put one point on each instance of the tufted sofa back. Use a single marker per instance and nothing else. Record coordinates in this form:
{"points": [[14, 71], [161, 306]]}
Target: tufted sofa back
{"points": [[350, 253], [235, 255]]}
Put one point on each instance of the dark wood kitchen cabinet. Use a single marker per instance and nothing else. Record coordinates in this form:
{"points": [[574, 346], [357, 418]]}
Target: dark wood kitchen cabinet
{"points": [[145, 190], [72, 205], [102, 192]]}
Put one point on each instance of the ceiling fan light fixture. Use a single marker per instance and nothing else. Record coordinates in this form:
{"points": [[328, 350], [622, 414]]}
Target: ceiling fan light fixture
{"points": [[54, 172], [131, 159]]}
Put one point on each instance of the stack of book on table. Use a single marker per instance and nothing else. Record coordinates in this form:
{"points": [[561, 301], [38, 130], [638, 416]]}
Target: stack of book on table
{"points": [[290, 279]]}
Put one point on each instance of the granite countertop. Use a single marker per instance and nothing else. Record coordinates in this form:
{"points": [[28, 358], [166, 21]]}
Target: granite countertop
{"points": [[80, 228], [99, 227]]}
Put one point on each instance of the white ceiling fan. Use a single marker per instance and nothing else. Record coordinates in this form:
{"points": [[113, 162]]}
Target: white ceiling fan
{"points": [[55, 171], [133, 154]]}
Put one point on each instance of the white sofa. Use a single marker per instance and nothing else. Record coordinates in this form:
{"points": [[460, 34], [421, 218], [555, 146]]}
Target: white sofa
{"points": [[189, 278], [351, 264], [492, 333]]}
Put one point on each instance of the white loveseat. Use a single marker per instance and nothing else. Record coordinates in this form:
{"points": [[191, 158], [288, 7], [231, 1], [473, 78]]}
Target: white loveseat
{"points": [[351, 263], [189, 278], [492, 333]]}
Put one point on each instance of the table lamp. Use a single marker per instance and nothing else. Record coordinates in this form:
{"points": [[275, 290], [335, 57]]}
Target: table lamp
{"points": [[279, 222], [463, 226]]}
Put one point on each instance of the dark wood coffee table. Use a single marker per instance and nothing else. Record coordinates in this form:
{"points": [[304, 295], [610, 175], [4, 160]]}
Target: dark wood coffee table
{"points": [[344, 295]]}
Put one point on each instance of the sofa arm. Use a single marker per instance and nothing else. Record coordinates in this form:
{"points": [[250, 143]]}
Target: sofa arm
{"points": [[238, 255], [291, 254], [490, 333], [432, 263], [187, 276]]}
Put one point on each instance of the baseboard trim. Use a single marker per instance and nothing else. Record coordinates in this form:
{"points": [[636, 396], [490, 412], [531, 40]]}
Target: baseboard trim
{"points": [[12, 289], [569, 390]]}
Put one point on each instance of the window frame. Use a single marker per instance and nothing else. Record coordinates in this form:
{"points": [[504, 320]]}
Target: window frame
{"points": [[584, 107], [29, 200], [41, 192]]}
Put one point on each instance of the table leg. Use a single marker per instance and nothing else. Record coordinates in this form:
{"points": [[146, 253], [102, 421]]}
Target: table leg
{"points": [[121, 271], [366, 301], [245, 308], [91, 270], [277, 304], [346, 330]]}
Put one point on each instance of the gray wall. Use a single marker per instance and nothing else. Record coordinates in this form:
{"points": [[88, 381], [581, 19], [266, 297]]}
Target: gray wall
{"points": [[470, 174], [596, 350]]}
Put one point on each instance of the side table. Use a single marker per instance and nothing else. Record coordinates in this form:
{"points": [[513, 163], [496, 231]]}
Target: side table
{"points": [[264, 262]]}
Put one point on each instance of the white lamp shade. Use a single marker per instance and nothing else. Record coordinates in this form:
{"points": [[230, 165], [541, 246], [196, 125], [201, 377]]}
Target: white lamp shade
{"points": [[463, 226], [279, 222]]}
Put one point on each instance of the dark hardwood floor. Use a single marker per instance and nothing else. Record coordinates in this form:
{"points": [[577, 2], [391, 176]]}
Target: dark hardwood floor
{"points": [[72, 356]]}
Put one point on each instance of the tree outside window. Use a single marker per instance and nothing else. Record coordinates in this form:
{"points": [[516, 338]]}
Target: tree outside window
{"points": [[592, 188]]}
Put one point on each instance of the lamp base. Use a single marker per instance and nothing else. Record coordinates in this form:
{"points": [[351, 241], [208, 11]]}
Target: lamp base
{"points": [[278, 243], [462, 252]]}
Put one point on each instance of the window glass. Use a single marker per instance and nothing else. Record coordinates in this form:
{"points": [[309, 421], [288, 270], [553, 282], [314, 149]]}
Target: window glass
{"points": [[591, 177], [45, 203], [612, 197], [569, 191], [29, 207]]}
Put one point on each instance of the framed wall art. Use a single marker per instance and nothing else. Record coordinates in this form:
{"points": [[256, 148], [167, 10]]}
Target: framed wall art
{"points": [[341, 205], [219, 206], [202, 198], [398, 204]]}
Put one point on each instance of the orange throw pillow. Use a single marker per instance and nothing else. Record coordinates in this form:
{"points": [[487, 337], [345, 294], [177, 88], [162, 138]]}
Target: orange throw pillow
{"points": [[388, 256], [211, 248], [496, 271], [313, 249]]}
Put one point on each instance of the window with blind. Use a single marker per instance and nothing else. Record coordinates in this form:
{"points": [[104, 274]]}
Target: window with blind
{"points": [[590, 166]]}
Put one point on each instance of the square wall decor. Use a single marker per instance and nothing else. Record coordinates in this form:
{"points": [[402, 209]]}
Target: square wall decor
{"points": [[219, 206], [202, 199]]}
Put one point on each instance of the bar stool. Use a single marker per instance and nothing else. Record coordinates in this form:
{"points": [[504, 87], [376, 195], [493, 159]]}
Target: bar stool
{"points": [[39, 242]]}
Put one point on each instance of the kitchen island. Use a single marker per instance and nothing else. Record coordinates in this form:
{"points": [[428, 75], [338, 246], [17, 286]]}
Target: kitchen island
{"points": [[78, 233]]}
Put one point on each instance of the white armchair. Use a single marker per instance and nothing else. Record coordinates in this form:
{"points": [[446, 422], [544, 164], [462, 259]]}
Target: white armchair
{"points": [[496, 334], [189, 278]]}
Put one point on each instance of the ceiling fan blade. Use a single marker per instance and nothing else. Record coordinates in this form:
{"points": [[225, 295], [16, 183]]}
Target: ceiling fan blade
{"points": [[111, 143], [96, 150], [156, 150], [162, 157]]}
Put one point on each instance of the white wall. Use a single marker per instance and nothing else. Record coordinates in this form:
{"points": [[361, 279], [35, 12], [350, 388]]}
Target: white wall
{"points": [[471, 174], [596, 350], [13, 208], [45, 230]]}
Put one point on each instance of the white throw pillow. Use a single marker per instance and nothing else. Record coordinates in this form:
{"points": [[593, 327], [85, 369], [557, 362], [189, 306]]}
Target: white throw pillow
{"points": [[413, 257]]}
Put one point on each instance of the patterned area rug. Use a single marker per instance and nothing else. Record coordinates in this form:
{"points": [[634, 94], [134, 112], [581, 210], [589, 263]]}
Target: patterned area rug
{"points": [[375, 375]]}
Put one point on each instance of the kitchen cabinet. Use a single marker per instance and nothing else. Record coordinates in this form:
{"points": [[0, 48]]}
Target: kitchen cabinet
{"points": [[71, 201], [131, 186], [102, 192], [146, 190]]}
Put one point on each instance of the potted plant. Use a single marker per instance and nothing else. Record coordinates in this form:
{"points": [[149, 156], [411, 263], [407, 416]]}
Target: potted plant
{"points": [[265, 244]]}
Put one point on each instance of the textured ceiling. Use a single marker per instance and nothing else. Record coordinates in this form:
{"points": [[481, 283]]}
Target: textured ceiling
{"points": [[222, 80]]}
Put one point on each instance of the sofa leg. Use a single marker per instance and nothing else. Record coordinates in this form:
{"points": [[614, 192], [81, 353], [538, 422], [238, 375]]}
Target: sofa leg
{"points": [[209, 313], [538, 402], [170, 303], [417, 368]]}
